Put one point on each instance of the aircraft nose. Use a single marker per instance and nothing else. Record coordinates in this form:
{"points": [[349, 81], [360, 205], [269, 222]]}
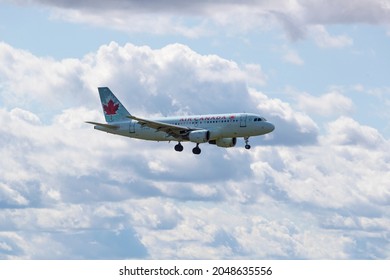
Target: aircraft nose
{"points": [[270, 127]]}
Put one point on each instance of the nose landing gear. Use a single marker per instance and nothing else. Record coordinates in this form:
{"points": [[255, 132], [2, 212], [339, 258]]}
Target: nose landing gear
{"points": [[247, 146]]}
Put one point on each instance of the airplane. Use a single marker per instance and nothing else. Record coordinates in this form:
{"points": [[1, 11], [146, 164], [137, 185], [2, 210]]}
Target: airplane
{"points": [[221, 130]]}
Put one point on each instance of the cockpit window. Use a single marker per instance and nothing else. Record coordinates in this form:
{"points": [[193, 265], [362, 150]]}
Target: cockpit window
{"points": [[259, 119]]}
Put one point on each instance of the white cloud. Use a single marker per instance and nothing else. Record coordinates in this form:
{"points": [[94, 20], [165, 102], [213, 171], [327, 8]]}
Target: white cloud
{"points": [[346, 169], [317, 245], [346, 131], [255, 75], [293, 57], [25, 116], [86, 194], [146, 72], [328, 104], [324, 40], [9, 196], [40, 83], [292, 127]]}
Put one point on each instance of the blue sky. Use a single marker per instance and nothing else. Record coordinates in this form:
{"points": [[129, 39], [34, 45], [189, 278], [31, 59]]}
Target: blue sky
{"points": [[317, 188]]}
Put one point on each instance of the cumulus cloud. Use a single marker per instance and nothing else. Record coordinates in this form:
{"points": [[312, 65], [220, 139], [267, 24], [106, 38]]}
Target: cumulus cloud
{"points": [[293, 127], [148, 73], [328, 104], [346, 147], [346, 131], [37, 82], [87, 194]]}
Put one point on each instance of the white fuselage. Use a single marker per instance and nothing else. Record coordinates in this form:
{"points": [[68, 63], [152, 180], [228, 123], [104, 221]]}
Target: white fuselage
{"points": [[219, 125]]}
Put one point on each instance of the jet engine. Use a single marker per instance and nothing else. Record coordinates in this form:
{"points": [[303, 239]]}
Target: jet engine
{"points": [[199, 136], [224, 142]]}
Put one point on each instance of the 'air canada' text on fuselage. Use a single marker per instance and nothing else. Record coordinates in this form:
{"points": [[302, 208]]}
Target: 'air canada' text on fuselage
{"points": [[208, 118]]}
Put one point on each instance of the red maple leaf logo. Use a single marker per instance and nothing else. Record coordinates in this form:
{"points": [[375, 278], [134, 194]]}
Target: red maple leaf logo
{"points": [[111, 108]]}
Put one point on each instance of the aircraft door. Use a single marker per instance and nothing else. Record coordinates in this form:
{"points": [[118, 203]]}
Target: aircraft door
{"points": [[132, 127], [243, 120]]}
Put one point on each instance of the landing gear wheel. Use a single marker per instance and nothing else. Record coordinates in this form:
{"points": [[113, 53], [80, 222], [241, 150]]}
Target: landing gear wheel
{"points": [[179, 147], [196, 150], [247, 146]]}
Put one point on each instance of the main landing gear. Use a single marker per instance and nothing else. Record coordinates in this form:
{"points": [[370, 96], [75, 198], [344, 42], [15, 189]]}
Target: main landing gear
{"points": [[196, 150], [247, 146], [179, 147]]}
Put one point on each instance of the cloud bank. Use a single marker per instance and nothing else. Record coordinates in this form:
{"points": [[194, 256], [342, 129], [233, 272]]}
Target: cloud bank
{"points": [[299, 19], [67, 191]]}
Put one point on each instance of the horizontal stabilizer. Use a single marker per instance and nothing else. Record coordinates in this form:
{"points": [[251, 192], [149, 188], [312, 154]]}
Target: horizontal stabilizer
{"points": [[109, 126]]}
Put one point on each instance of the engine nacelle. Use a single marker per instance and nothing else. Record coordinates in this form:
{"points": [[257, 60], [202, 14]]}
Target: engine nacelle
{"points": [[199, 136], [224, 142]]}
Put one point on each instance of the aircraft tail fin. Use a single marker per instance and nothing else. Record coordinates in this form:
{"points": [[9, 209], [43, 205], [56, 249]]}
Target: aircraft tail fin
{"points": [[112, 108]]}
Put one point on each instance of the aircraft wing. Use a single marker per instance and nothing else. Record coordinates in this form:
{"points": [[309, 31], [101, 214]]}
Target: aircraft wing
{"points": [[174, 130]]}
